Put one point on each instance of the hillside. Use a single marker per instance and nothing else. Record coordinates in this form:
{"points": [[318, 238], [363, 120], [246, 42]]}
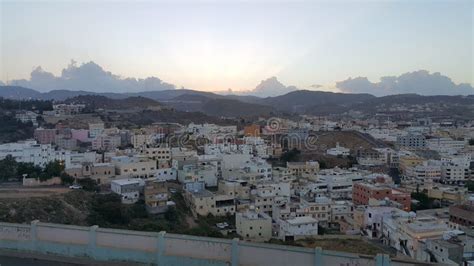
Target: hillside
{"points": [[18, 93], [217, 105], [298, 101], [303, 100], [235, 108], [12, 130], [94, 102], [407, 106]]}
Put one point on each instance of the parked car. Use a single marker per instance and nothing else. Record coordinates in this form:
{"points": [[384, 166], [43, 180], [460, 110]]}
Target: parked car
{"points": [[75, 187]]}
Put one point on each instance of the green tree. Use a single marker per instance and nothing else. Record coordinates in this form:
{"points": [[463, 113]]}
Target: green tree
{"points": [[290, 156], [171, 215], [54, 168], [425, 202], [470, 185], [107, 210], [9, 168], [88, 184], [66, 179], [31, 170], [322, 164]]}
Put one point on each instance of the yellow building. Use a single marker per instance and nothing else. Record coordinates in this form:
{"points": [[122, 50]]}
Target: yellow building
{"points": [[451, 194], [407, 162]]}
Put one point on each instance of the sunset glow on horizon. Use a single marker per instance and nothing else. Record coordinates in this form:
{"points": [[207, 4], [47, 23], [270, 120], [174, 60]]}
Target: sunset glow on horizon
{"points": [[234, 45]]}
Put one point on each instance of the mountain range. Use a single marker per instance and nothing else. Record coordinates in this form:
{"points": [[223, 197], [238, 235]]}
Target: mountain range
{"points": [[299, 101]]}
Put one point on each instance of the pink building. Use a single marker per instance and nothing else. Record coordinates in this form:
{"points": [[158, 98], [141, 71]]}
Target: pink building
{"points": [[45, 136], [80, 135]]}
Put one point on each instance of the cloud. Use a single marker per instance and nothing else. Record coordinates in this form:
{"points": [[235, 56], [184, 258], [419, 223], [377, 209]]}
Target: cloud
{"points": [[420, 82], [316, 86], [271, 87], [90, 77]]}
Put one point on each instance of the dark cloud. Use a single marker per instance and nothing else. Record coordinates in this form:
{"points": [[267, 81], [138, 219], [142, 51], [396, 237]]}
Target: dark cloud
{"points": [[89, 77], [420, 82]]}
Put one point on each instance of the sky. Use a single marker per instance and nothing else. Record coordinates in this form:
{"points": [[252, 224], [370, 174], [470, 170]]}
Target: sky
{"points": [[213, 46]]}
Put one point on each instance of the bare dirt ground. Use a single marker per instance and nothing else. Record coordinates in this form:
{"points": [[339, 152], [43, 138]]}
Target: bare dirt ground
{"points": [[326, 140], [17, 193], [344, 245]]}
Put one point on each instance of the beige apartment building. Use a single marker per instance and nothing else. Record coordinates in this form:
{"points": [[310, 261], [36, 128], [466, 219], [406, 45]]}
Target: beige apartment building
{"points": [[254, 226], [203, 202], [303, 169], [101, 172]]}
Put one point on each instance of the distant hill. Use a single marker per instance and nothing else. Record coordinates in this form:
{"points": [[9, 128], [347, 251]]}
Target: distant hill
{"points": [[408, 106], [18, 93], [101, 102], [303, 100], [235, 108], [217, 105], [21, 93], [298, 101], [375, 104]]}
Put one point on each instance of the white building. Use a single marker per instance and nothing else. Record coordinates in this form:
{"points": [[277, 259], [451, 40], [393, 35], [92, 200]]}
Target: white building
{"points": [[409, 235], [106, 142], [139, 140], [27, 116], [455, 173], [166, 174], [297, 228], [338, 151], [341, 210], [80, 158], [445, 145], [95, 129], [198, 173], [32, 152], [211, 131], [129, 189], [67, 109]]}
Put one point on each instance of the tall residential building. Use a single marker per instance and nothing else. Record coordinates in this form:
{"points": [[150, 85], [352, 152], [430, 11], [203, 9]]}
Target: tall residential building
{"points": [[412, 141]]}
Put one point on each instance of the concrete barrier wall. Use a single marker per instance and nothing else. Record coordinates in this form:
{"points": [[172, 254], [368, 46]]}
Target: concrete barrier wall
{"points": [[167, 249], [140, 241], [198, 247]]}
